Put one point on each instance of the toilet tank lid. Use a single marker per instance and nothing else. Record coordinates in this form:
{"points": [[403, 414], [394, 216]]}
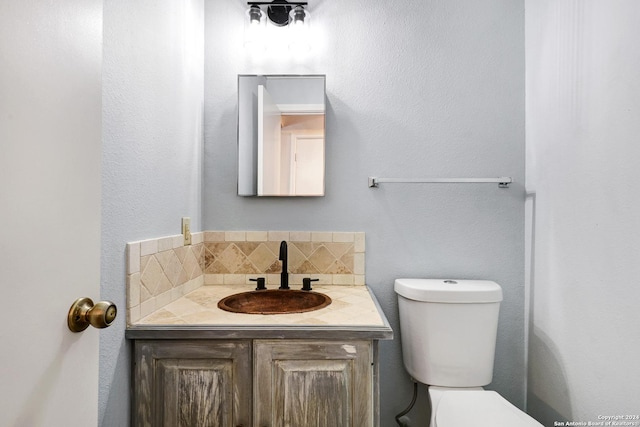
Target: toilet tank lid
{"points": [[449, 291]]}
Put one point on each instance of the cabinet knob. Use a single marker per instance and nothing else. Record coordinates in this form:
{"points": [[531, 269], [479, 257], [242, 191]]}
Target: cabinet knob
{"points": [[84, 313]]}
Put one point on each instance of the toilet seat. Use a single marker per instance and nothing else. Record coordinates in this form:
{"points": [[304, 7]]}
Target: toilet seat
{"points": [[479, 408]]}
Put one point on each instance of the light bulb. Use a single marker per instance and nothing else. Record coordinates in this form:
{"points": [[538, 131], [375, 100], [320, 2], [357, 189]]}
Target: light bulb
{"points": [[299, 33], [253, 29]]}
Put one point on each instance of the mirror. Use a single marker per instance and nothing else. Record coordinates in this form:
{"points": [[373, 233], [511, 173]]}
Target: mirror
{"points": [[281, 135]]}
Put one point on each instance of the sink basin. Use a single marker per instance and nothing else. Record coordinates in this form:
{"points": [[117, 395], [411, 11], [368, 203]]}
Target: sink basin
{"points": [[274, 301]]}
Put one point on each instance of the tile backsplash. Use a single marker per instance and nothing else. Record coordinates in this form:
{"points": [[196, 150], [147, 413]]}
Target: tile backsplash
{"points": [[159, 271]]}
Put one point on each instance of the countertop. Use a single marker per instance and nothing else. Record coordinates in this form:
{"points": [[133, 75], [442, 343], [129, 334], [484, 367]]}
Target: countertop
{"points": [[353, 313]]}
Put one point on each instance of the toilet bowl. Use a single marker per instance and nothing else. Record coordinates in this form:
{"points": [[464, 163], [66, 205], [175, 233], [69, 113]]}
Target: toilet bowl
{"points": [[474, 407], [448, 330]]}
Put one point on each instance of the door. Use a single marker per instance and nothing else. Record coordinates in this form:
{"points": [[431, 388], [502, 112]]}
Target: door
{"points": [[269, 144], [307, 178], [50, 132]]}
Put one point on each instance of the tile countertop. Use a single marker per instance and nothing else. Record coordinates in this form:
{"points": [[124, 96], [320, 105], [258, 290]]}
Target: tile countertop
{"points": [[353, 313]]}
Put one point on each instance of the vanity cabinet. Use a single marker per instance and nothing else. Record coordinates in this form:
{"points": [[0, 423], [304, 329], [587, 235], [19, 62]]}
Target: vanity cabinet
{"points": [[260, 383]]}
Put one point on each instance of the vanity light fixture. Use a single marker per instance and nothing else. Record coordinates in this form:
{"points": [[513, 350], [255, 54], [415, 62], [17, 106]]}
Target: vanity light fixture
{"points": [[279, 14]]}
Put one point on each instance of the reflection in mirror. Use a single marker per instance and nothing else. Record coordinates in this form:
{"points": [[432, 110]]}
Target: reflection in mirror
{"points": [[281, 135]]}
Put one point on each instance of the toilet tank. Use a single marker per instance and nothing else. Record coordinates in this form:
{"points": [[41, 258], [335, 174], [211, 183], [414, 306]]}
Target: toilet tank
{"points": [[448, 330]]}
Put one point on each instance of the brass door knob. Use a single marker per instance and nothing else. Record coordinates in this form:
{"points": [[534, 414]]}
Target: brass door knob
{"points": [[84, 313]]}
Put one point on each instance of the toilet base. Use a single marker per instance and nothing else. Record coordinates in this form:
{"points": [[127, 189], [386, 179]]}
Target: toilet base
{"points": [[453, 407], [435, 395]]}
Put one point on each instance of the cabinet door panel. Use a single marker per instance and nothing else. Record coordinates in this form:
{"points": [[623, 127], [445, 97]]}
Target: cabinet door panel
{"points": [[192, 383], [313, 392], [194, 393], [313, 384]]}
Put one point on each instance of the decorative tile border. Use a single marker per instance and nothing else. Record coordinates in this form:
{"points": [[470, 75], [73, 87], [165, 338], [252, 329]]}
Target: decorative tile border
{"points": [[160, 271]]}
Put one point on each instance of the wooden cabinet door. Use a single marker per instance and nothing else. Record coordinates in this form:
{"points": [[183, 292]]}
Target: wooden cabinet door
{"points": [[192, 383], [313, 383]]}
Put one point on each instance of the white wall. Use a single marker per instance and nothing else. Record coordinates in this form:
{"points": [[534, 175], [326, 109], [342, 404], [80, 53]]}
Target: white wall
{"points": [[425, 89], [152, 160], [583, 101]]}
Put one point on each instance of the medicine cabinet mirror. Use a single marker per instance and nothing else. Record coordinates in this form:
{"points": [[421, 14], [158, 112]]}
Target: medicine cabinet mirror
{"points": [[281, 135]]}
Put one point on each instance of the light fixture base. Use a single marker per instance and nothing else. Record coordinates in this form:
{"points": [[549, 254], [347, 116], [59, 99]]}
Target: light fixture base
{"points": [[279, 15]]}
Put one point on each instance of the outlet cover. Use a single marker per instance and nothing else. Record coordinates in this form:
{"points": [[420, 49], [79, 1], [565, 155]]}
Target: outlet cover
{"points": [[186, 230]]}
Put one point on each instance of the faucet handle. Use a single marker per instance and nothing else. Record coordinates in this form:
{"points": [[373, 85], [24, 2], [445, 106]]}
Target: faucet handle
{"points": [[261, 285], [306, 283]]}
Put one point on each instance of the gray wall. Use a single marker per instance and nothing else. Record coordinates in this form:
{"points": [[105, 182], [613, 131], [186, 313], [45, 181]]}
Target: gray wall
{"points": [[428, 89], [583, 60], [152, 153]]}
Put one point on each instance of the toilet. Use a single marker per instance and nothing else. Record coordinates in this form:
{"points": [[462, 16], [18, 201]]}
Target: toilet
{"points": [[448, 330]]}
